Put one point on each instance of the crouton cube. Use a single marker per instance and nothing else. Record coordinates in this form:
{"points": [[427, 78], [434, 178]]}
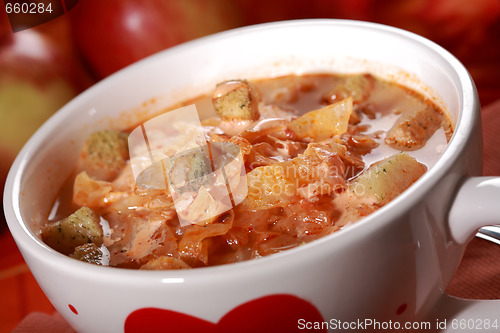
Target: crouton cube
{"points": [[79, 228], [189, 170], [104, 154], [89, 252], [236, 100]]}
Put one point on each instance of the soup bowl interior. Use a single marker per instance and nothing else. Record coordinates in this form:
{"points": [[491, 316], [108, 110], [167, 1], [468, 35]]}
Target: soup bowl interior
{"points": [[145, 89], [184, 72]]}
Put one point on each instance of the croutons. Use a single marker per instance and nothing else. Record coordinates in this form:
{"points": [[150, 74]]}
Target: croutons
{"points": [[323, 123], [236, 100], [188, 170], [89, 252], [386, 179], [104, 154], [412, 131], [79, 228]]}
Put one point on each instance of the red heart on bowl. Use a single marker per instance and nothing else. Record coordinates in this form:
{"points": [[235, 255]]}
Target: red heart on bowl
{"points": [[273, 314]]}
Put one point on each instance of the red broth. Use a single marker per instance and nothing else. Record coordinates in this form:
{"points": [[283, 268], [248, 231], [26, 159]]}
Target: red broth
{"points": [[390, 137]]}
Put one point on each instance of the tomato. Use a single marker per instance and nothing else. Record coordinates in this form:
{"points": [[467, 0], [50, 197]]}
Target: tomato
{"points": [[260, 11], [345, 9], [112, 34], [5, 30], [37, 77]]}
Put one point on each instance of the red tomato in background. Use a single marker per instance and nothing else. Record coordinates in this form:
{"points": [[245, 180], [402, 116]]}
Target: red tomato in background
{"points": [[38, 75], [4, 26], [112, 34], [261, 11], [347, 9]]}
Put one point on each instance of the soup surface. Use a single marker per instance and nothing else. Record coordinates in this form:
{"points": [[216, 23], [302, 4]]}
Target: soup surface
{"points": [[312, 154]]}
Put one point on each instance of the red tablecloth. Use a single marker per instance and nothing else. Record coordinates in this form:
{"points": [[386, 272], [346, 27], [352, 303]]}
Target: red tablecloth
{"points": [[478, 276]]}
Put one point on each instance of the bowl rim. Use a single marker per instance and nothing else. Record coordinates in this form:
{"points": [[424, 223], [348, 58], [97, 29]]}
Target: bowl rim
{"points": [[466, 122]]}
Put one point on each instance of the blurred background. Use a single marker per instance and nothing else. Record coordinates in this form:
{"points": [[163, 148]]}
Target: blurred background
{"points": [[43, 67]]}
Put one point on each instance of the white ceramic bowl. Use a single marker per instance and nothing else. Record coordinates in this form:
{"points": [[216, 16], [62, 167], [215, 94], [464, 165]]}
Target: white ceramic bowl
{"points": [[391, 266]]}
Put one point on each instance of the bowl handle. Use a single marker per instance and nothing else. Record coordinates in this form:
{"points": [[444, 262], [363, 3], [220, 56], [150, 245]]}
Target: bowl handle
{"points": [[477, 204]]}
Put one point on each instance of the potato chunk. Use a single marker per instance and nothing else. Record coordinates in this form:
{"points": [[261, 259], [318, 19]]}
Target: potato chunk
{"points": [[386, 179], [413, 130], [376, 186], [236, 100], [79, 228], [323, 123], [104, 154]]}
